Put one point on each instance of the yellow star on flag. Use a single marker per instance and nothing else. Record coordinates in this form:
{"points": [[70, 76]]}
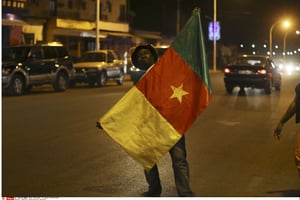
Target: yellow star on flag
{"points": [[178, 92]]}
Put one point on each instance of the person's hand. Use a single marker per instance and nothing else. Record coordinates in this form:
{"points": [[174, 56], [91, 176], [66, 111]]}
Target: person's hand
{"points": [[98, 125], [277, 131]]}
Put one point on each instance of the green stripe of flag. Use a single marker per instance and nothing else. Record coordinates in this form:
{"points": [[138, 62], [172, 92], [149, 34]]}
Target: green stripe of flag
{"points": [[194, 55]]}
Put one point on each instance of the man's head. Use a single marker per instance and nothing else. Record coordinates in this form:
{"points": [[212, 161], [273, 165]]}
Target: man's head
{"points": [[144, 56]]}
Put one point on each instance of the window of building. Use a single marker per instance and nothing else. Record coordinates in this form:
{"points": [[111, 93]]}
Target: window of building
{"points": [[70, 4], [21, 5], [28, 38], [122, 16], [52, 7], [14, 4], [90, 45], [83, 5], [6, 3]]}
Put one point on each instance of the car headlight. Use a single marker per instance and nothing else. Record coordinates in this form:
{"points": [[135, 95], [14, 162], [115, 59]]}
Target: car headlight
{"points": [[289, 68], [134, 69]]}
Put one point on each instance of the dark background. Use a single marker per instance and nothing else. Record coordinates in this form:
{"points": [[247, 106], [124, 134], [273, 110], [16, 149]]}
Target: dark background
{"points": [[241, 21]]}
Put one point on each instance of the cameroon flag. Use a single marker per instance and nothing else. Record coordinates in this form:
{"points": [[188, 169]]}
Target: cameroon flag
{"points": [[154, 114]]}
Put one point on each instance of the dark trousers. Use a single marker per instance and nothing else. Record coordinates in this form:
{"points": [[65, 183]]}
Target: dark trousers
{"points": [[180, 168]]}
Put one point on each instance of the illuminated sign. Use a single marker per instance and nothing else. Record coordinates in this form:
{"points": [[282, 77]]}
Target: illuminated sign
{"points": [[214, 30]]}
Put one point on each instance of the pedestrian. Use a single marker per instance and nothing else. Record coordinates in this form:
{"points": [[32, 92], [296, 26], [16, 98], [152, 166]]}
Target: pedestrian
{"points": [[144, 57], [293, 109]]}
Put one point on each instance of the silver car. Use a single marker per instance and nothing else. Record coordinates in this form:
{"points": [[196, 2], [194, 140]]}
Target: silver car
{"points": [[98, 66]]}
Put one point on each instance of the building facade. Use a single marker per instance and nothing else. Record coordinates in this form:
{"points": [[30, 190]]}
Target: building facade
{"points": [[71, 22]]}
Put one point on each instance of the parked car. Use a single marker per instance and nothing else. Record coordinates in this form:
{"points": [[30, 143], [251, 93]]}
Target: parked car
{"points": [[28, 65], [98, 66], [137, 73], [253, 71]]}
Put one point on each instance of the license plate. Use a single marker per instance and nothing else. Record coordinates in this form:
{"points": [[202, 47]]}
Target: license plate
{"points": [[245, 72]]}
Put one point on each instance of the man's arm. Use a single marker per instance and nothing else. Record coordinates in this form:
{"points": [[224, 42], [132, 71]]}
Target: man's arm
{"points": [[287, 115]]}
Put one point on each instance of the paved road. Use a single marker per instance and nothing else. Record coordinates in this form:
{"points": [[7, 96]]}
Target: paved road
{"points": [[51, 147]]}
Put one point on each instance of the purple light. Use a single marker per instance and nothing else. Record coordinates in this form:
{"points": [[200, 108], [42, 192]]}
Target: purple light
{"points": [[214, 31]]}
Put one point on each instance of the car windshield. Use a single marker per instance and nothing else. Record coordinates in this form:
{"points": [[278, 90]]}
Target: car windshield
{"points": [[249, 61], [17, 54], [93, 57]]}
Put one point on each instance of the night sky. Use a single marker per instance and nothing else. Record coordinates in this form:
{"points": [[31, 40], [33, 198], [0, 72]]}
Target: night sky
{"points": [[241, 20]]}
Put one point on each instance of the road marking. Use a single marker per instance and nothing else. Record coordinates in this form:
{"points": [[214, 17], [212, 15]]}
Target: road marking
{"points": [[228, 123]]}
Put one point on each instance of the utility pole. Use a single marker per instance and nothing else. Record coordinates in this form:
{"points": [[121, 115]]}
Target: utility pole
{"points": [[284, 48], [215, 38], [97, 25]]}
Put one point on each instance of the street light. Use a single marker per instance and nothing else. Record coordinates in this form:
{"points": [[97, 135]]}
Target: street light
{"points": [[286, 24]]}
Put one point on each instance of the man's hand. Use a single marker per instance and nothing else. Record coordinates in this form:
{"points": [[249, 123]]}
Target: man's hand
{"points": [[277, 131], [98, 125]]}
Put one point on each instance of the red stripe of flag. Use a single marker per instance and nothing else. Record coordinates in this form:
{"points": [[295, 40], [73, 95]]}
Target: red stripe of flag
{"points": [[172, 71]]}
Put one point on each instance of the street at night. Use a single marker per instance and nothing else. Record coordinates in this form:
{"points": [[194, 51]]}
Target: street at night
{"points": [[222, 73], [52, 148]]}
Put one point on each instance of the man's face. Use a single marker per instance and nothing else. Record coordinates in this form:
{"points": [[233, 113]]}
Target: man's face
{"points": [[145, 59]]}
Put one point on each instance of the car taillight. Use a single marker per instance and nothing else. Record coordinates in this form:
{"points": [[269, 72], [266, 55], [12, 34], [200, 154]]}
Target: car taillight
{"points": [[262, 71], [226, 70]]}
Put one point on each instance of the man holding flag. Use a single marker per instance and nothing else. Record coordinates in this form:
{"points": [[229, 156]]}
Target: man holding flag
{"points": [[144, 57], [151, 119]]}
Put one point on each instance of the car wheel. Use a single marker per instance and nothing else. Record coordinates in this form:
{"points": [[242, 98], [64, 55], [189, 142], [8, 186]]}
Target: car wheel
{"points": [[268, 87], [102, 79], [17, 86], [61, 82], [120, 80], [278, 86]]}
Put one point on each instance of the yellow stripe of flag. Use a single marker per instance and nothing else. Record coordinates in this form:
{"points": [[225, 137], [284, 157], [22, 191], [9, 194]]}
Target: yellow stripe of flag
{"points": [[145, 135]]}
